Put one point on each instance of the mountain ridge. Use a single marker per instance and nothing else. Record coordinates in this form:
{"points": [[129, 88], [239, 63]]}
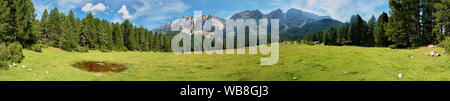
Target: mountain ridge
{"points": [[291, 18]]}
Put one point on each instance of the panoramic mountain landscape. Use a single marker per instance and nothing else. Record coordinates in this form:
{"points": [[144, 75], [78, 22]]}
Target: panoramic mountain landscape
{"points": [[293, 23], [97, 40]]}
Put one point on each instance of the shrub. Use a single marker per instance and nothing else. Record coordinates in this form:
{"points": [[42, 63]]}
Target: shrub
{"points": [[36, 47], [103, 48], [445, 44], [119, 48], [11, 54], [393, 46], [397, 46], [81, 49]]}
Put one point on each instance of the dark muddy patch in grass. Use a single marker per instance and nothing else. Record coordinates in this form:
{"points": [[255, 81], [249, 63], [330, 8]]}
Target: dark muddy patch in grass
{"points": [[96, 66]]}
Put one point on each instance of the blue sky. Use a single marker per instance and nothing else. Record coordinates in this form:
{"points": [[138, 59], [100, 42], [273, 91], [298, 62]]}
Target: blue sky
{"points": [[153, 13]]}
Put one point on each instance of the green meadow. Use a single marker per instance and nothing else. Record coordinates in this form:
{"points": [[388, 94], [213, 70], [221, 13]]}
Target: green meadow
{"points": [[296, 63]]}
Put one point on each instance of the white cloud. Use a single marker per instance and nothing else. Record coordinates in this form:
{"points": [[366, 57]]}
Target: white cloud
{"points": [[91, 7], [125, 13]]}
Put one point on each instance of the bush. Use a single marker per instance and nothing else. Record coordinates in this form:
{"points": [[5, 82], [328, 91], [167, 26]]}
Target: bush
{"points": [[397, 46], [445, 44], [119, 48], [309, 42], [36, 47], [394, 46], [103, 48], [11, 54], [82, 49]]}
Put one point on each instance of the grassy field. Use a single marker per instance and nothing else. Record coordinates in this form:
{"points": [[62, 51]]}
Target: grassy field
{"points": [[296, 63]]}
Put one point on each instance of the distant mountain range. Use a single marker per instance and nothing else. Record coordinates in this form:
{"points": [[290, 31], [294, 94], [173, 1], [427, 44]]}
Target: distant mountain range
{"points": [[166, 27], [292, 18], [293, 22]]}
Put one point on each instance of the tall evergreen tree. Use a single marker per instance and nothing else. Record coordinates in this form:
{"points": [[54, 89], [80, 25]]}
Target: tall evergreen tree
{"points": [[368, 37], [16, 22], [141, 38], [5, 23], [23, 15], [158, 41], [87, 31], [357, 30], [68, 36], [404, 23], [427, 22], [379, 33], [118, 38], [442, 20], [128, 31], [43, 33], [102, 36], [54, 24], [151, 39]]}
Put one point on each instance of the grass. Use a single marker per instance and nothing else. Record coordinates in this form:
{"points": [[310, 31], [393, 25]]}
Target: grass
{"points": [[296, 63]]}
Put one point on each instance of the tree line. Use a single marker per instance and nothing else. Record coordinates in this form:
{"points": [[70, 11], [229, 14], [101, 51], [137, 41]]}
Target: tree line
{"points": [[75, 34], [412, 23], [56, 29], [19, 29]]}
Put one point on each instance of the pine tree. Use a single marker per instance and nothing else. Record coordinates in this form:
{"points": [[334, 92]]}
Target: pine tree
{"points": [[68, 35], [118, 38], [102, 36], [140, 36], [147, 40], [53, 27], [368, 38], [167, 44], [356, 30], [5, 23], [427, 22], [158, 41], [379, 33], [404, 23], [16, 22], [87, 31], [23, 15], [63, 31], [128, 31], [332, 36], [442, 19], [326, 37], [151, 39], [106, 35], [98, 37], [43, 33], [342, 34]]}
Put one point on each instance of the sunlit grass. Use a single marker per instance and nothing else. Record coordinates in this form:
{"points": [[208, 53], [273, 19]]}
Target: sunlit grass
{"points": [[296, 63]]}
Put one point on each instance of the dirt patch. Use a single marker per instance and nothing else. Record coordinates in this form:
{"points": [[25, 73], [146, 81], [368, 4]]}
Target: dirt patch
{"points": [[95, 66]]}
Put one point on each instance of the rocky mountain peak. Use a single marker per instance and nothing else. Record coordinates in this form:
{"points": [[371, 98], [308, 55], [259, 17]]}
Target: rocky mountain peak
{"points": [[292, 18]]}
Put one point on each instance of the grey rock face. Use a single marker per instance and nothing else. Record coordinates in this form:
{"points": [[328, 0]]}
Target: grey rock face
{"points": [[167, 27], [292, 18]]}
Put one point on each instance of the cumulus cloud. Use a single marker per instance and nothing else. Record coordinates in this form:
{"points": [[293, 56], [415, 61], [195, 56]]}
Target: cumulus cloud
{"points": [[91, 7], [125, 13], [150, 13]]}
